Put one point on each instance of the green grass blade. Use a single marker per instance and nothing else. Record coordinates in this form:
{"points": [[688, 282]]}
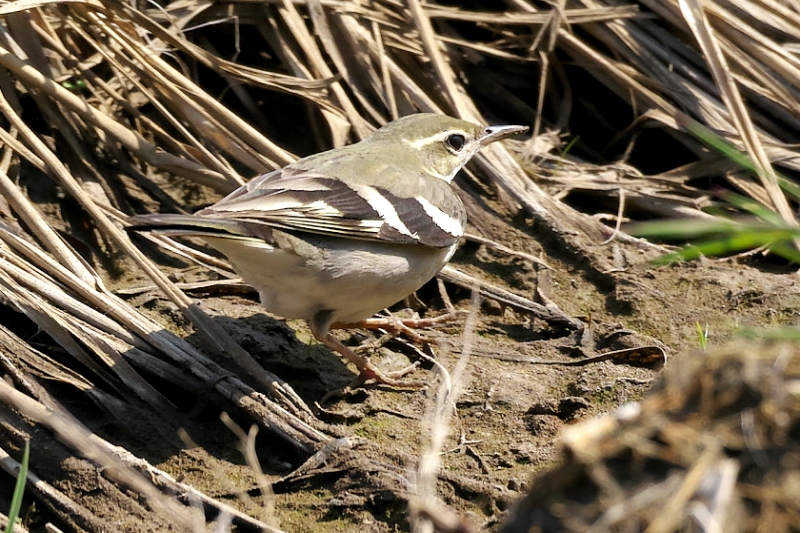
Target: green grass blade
{"points": [[702, 336], [721, 145], [684, 229], [778, 241], [785, 249], [19, 489], [756, 209]]}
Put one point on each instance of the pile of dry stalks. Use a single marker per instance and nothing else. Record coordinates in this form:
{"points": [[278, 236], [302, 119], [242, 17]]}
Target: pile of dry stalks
{"points": [[714, 447]]}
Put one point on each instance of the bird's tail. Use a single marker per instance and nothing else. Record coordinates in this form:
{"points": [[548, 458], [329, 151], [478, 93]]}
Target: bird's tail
{"points": [[188, 225]]}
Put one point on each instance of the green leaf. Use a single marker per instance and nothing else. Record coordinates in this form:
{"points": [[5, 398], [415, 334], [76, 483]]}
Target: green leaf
{"points": [[19, 489], [721, 145], [683, 229], [777, 240], [702, 336]]}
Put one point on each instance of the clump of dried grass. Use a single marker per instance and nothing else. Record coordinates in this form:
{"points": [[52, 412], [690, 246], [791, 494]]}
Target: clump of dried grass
{"points": [[714, 447], [740, 81]]}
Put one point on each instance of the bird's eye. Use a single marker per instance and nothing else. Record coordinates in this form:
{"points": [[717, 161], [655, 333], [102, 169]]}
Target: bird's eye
{"points": [[456, 141]]}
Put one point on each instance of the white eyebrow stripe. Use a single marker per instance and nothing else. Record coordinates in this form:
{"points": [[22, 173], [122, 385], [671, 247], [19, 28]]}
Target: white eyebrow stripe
{"points": [[439, 137], [440, 218], [419, 143], [383, 207]]}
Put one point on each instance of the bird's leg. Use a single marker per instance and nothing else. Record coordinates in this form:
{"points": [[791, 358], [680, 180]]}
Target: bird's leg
{"points": [[367, 371]]}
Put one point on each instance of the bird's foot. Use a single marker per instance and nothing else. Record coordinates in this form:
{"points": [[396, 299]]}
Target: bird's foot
{"points": [[369, 374], [393, 327]]}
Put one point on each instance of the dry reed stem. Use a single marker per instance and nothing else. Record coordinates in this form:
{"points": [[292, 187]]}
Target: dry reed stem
{"points": [[693, 13]]}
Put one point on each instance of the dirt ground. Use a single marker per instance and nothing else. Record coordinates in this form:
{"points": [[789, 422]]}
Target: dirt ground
{"points": [[524, 382]]}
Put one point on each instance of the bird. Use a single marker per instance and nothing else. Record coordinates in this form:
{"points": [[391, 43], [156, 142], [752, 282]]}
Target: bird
{"points": [[338, 236]]}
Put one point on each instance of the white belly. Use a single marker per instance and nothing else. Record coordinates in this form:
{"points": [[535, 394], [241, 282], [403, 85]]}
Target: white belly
{"points": [[351, 279]]}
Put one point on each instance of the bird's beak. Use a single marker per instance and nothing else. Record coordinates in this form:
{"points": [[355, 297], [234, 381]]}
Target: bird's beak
{"points": [[495, 133]]}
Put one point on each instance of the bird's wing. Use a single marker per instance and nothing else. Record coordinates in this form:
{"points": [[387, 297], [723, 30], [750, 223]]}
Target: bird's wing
{"points": [[299, 200]]}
